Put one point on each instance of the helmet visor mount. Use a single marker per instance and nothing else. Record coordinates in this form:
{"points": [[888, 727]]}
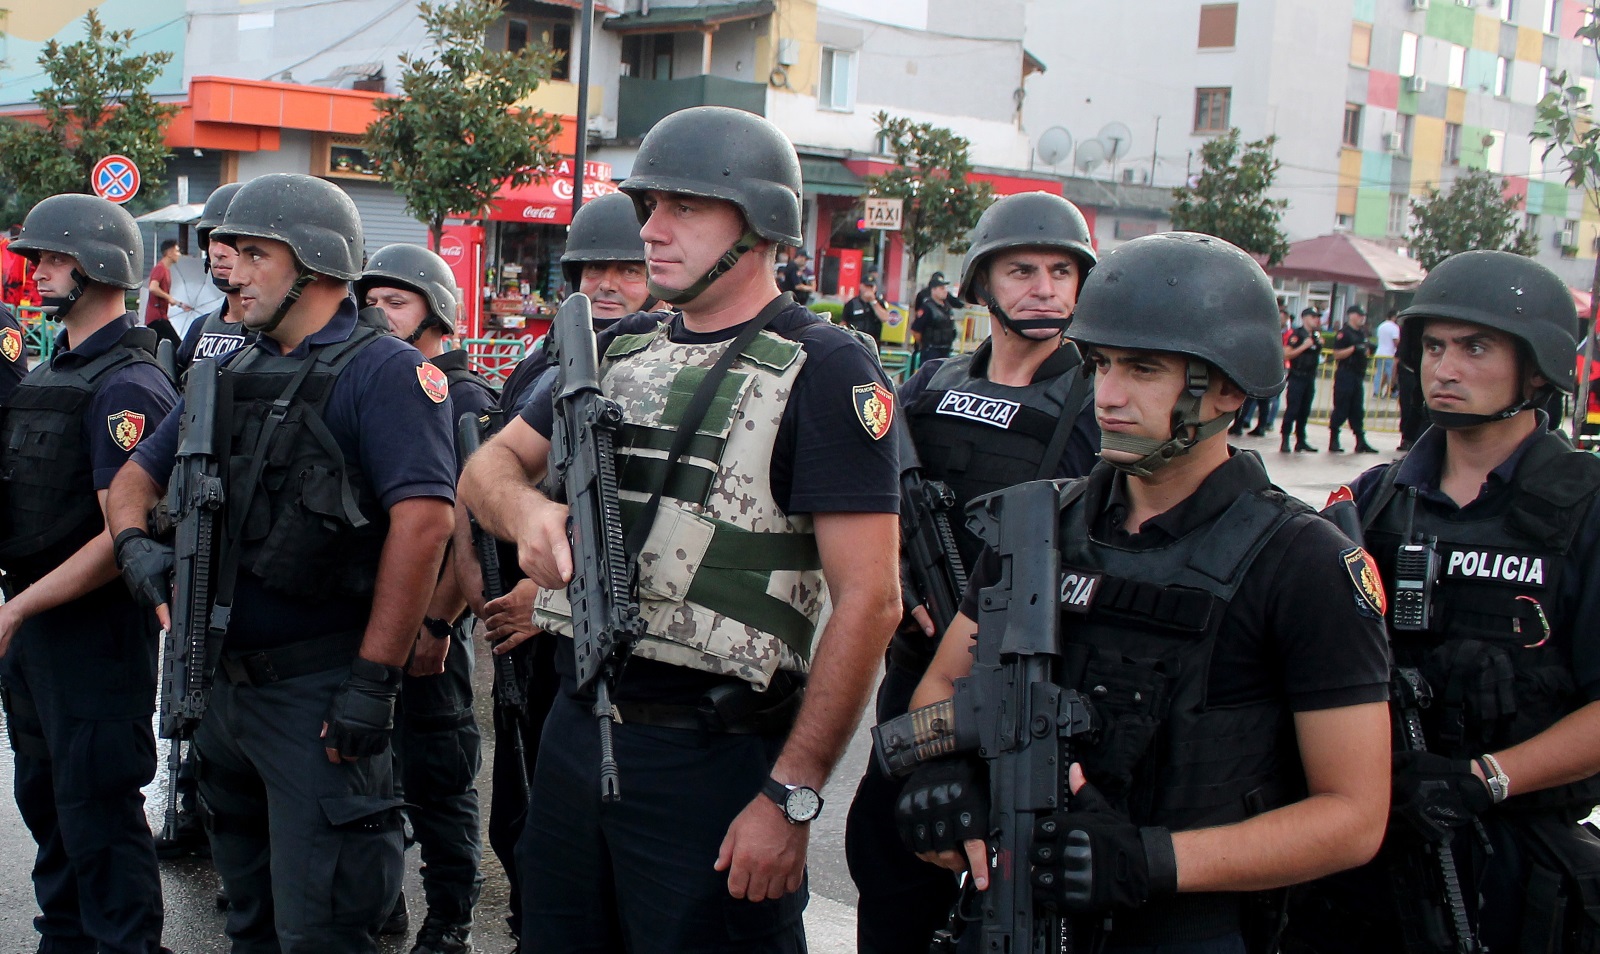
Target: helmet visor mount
{"points": [[1187, 431]]}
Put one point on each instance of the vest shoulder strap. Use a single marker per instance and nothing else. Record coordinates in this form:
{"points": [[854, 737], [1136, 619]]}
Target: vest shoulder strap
{"points": [[1553, 484], [951, 373], [1233, 541], [1381, 499], [623, 345]]}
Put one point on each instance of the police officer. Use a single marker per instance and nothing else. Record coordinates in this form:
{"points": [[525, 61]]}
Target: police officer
{"points": [[13, 354], [338, 510], [604, 259], [1350, 350], [439, 743], [1027, 257], [80, 656], [1240, 697], [1502, 628], [1302, 350], [866, 312], [221, 331], [933, 331], [711, 770]]}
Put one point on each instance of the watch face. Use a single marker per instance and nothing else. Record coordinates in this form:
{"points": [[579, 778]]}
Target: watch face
{"points": [[803, 804]]}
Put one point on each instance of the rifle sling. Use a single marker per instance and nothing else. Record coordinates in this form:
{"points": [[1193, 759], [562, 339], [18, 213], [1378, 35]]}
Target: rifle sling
{"points": [[1071, 408], [695, 412]]}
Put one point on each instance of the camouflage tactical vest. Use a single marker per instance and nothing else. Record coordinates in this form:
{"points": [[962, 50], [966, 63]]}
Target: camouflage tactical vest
{"points": [[728, 583]]}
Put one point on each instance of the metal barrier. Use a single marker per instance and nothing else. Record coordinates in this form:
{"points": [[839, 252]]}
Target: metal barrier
{"points": [[1382, 412], [38, 332], [494, 358]]}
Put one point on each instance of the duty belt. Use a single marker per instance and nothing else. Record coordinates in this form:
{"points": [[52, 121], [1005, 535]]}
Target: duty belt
{"points": [[729, 710], [267, 666]]}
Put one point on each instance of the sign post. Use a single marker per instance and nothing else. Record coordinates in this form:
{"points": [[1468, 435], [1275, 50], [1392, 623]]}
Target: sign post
{"points": [[115, 178]]}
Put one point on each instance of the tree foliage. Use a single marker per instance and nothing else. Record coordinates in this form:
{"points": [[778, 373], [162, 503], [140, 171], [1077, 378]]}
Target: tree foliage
{"points": [[941, 204], [455, 135], [1229, 197], [1475, 214], [96, 103]]}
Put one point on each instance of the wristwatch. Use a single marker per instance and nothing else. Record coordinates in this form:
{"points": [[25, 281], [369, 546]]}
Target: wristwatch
{"points": [[440, 629], [800, 803]]}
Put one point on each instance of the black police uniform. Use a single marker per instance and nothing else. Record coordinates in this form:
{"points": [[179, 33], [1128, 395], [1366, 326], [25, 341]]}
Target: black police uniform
{"points": [[976, 436], [790, 276], [937, 328], [1302, 388], [438, 742], [1510, 652], [80, 679], [859, 314], [210, 337], [365, 431], [1211, 626], [638, 872], [13, 354], [1349, 397]]}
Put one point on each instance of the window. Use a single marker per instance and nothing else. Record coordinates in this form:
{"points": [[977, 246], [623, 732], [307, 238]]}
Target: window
{"points": [[1352, 125], [1494, 150], [1399, 213], [1502, 73], [1344, 221], [1403, 125], [1544, 81], [1552, 16], [1588, 21], [522, 31], [1219, 22], [1408, 54], [1458, 66], [1530, 224], [1508, 10], [837, 87], [1211, 109], [1452, 144], [1360, 44], [1569, 238], [648, 56]]}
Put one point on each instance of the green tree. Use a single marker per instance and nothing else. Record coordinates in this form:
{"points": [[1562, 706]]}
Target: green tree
{"points": [[1229, 198], [455, 135], [97, 102], [1475, 214], [1566, 126], [941, 204]]}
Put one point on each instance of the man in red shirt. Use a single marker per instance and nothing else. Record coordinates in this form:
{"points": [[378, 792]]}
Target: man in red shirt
{"points": [[155, 312]]}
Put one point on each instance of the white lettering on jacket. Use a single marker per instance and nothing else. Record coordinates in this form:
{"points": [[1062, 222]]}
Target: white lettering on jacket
{"points": [[976, 407], [1489, 565]]}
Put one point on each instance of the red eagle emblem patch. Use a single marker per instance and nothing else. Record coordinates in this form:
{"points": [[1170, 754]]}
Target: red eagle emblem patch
{"points": [[1363, 570], [434, 383], [127, 427], [874, 408], [11, 344]]}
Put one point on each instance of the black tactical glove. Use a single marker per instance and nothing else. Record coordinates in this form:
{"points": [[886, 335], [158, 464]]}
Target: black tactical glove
{"points": [[146, 566], [361, 716], [943, 804], [1435, 795], [1092, 859]]}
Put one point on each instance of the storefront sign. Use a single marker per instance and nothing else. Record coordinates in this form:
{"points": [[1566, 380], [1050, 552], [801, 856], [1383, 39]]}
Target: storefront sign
{"points": [[884, 214]]}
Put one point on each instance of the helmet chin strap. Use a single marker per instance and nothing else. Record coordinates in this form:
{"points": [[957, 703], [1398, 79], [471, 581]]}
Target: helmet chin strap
{"points": [[57, 307], [730, 258], [431, 321], [306, 277], [223, 284], [1187, 430], [1019, 325], [1457, 420]]}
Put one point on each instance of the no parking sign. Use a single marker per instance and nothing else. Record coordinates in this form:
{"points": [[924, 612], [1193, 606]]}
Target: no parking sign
{"points": [[115, 178]]}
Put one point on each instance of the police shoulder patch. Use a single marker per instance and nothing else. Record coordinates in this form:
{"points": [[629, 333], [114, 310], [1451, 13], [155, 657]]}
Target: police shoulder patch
{"points": [[434, 383], [126, 427], [11, 344], [1363, 570], [874, 405]]}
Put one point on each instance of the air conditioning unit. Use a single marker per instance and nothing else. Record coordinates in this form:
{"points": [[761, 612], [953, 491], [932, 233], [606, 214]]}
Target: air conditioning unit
{"points": [[1135, 176], [1392, 141], [1419, 4], [1564, 238], [1416, 84]]}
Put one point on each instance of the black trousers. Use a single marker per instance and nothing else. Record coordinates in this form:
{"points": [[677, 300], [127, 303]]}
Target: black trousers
{"points": [[1413, 409], [1349, 405], [1297, 406], [516, 753]]}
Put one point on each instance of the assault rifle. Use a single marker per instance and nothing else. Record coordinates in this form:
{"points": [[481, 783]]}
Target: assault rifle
{"points": [[1422, 873], [1010, 711], [928, 545], [605, 614]]}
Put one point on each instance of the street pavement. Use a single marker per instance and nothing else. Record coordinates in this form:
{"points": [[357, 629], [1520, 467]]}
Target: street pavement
{"points": [[194, 926]]}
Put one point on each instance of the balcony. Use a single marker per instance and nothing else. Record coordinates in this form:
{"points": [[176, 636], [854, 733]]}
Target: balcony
{"points": [[641, 102]]}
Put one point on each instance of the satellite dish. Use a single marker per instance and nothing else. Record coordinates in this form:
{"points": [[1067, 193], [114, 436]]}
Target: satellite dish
{"points": [[1055, 144], [1118, 139], [1091, 152]]}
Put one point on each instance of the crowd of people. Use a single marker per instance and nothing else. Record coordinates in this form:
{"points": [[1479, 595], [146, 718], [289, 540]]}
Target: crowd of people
{"points": [[1403, 728]]}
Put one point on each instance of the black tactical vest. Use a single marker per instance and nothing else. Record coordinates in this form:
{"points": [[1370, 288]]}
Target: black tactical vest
{"points": [[218, 336], [308, 523], [979, 437], [1140, 627], [1497, 679], [939, 333], [457, 368], [46, 478]]}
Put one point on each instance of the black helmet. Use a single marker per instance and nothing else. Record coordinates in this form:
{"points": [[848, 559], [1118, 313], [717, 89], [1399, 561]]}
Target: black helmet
{"points": [[1508, 293], [604, 230], [216, 208], [101, 235], [312, 216], [722, 153], [1188, 294], [1027, 219], [415, 268]]}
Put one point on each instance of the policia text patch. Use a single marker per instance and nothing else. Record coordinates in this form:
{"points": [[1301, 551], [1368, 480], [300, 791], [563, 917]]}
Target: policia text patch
{"points": [[977, 407]]}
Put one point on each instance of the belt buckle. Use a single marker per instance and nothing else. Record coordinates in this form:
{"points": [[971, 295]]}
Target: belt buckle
{"points": [[259, 665]]}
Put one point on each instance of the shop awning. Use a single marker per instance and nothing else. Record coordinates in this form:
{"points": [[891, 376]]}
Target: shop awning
{"points": [[186, 214], [1349, 260], [663, 19], [828, 177], [548, 201]]}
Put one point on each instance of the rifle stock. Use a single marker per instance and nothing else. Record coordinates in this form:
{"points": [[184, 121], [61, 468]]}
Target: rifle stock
{"points": [[927, 542], [605, 615], [195, 498]]}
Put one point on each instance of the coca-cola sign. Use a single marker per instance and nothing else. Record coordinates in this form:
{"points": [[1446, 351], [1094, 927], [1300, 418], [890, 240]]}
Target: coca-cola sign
{"points": [[540, 212], [452, 250]]}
